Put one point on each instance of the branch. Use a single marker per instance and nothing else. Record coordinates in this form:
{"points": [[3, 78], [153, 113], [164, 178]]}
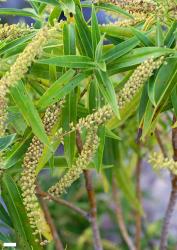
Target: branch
{"points": [[65, 203], [58, 243], [173, 197], [92, 199], [159, 140], [119, 216], [138, 218]]}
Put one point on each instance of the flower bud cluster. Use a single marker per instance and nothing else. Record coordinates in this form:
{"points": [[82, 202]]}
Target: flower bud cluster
{"points": [[127, 23], [95, 119], [158, 161], [141, 74], [11, 32], [134, 6], [18, 70], [81, 164], [3, 113], [28, 176]]}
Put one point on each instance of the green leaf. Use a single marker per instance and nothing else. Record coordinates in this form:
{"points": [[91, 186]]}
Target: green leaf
{"points": [[59, 89], [143, 102], [17, 12], [28, 110], [6, 141], [63, 90], [107, 90], [170, 37], [56, 12], [112, 156], [70, 61], [47, 154], [69, 39], [14, 45], [136, 57], [165, 82], [111, 134], [34, 5], [174, 100], [116, 31], [18, 151], [120, 50], [142, 37], [125, 184], [84, 39], [5, 216], [99, 154], [14, 203], [69, 115], [95, 30], [52, 2], [98, 53], [109, 7], [94, 97], [159, 35]]}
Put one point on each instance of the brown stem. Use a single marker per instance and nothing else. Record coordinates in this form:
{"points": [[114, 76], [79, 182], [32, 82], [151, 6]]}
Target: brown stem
{"points": [[173, 197], [92, 200], [64, 203], [159, 140], [57, 241], [119, 216], [138, 218]]}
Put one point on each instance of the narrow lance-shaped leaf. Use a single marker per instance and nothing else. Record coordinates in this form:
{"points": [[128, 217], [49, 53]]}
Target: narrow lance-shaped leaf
{"points": [[69, 112], [59, 89], [135, 57], [174, 100], [28, 110], [143, 38], [94, 30], [165, 82], [109, 7], [69, 61], [170, 37], [17, 12], [159, 35], [69, 39], [14, 203], [84, 34], [99, 154], [18, 151], [6, 141], [120, 49], [107, 90]]}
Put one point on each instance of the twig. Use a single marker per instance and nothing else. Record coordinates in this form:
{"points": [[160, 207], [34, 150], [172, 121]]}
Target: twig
{"points": [[173, 197], [159, 140], [138, 218], [119, 216], [91, 198], [65, 203], [58, 243]]}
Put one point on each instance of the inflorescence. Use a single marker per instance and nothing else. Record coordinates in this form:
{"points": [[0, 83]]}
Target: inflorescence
{"points": [[30, 162], [143, 72], [126, 22], [81, 164], [158, 162], [134, 6], [145, 8], [91, 123], [13, 31], [18, 70]]}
